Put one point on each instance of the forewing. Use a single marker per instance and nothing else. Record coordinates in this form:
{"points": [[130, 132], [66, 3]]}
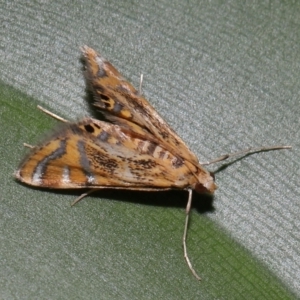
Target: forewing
{"points": [[116, 96], [94, 154]]}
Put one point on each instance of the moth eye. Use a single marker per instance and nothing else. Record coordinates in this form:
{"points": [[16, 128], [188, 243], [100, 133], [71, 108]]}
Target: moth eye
{"points": [[89, 128]]}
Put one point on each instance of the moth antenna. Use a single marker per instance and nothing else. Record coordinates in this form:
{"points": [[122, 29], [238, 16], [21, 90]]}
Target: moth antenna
{"points": [[51, 114], [141, 83], [245, 152], [82, 196], [28, 146], [185, 254]]}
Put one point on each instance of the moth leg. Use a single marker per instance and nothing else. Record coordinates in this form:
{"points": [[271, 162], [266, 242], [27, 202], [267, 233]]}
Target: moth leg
{"points": [[140, 87], [28, 146], [82, 196], [185, 254], [245, 152], [51, 114]]}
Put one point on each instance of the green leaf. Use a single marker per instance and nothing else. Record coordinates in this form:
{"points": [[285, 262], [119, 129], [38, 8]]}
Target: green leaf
{"points": [[114, 244]]}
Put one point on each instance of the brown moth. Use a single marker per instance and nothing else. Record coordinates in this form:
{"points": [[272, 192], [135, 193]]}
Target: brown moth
{"points": [[134, 150]]}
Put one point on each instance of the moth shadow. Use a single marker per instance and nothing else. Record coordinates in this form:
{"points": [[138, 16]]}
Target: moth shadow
{"points": [[89, 97], [93, 111], [203, 203], [174, 198]]}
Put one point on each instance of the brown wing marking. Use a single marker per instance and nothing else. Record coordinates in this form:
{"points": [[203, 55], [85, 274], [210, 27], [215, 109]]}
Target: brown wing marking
{"points": [[94, 154]]}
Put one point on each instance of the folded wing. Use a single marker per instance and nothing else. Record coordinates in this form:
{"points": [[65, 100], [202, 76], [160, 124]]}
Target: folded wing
{"points": [[118, 100], [94, 154]]}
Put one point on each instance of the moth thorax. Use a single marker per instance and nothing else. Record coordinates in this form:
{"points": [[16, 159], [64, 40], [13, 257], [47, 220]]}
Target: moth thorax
{"points": [[206, 184]]}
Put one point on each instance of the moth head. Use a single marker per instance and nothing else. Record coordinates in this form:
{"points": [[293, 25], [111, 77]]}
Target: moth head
{"points": [[206, 184]]}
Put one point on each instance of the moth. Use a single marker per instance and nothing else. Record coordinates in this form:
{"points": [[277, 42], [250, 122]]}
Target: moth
{"points": [[133, 149]]}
